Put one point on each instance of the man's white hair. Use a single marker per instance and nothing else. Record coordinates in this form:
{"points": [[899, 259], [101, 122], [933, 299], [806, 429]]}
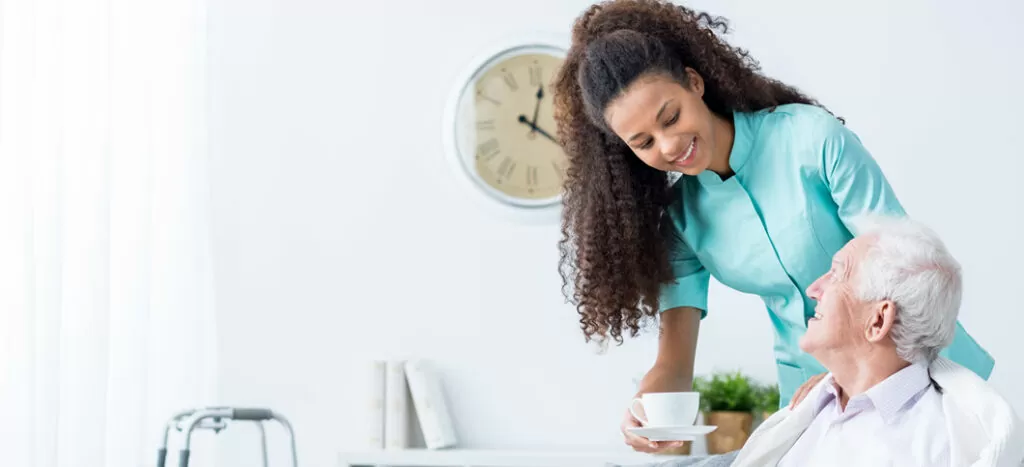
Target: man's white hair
{"points": [[907, 263]]}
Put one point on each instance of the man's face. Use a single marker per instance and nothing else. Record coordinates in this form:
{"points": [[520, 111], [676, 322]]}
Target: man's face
{"points": [[841, 320]]}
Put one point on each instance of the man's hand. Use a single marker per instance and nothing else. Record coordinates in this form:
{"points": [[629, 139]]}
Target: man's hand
{"points": [[805, 388]]}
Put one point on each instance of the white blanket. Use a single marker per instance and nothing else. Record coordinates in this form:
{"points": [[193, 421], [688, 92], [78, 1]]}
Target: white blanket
{"points": [[984, 430]]}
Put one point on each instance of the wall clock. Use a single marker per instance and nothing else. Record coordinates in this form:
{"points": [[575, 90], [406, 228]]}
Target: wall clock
{"points": [[499, 125]]}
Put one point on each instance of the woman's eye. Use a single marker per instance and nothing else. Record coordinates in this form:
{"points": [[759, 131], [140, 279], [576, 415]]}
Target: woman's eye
{"points": [[672, 120]]}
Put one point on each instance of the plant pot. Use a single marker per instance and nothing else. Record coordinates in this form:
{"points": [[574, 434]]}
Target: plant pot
{"points": [[683, 450], [760, 418], [732, 432]]}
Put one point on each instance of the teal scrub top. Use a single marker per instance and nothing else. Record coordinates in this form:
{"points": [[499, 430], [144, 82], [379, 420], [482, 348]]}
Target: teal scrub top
{"points": [[801, 178]]}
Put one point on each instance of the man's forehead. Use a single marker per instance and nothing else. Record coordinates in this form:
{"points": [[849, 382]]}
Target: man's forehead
{"points": [[842, 256], [854, 247], [847, 256]]}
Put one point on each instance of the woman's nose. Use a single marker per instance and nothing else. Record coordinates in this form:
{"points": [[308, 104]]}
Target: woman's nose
{"points": [[670, 148]]}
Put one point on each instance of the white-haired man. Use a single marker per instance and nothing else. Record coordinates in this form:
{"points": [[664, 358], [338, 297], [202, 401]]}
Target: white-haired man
{"points": [[886, 308]]}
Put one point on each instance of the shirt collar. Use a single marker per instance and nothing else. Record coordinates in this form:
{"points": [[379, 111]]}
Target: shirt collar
{"points": [[893, 393], [889, 396], [742, 143], [826, 396]]}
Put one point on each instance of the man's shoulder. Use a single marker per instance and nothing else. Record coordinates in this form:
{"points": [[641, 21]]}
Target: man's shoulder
{"points": [[977, 414], [958, 381]]}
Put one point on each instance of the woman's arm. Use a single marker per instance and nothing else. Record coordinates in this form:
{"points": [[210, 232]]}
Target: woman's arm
{"points": [[672, 370], [677, 343], [682, 304], [854, 178]]}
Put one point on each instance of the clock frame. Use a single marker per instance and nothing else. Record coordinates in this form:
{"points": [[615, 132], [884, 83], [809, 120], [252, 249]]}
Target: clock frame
{"points": [[499, 125]]}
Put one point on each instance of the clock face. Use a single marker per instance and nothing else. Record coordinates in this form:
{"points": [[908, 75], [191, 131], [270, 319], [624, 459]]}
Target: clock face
{"points": [[505, 128]]}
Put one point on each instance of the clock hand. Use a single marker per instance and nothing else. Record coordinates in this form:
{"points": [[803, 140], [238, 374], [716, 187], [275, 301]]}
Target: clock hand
{"points": [[546, 135], [536, 109], [534, 127]]}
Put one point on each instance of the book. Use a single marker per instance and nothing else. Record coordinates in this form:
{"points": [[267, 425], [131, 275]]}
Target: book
{"points": [[430, 405], [396, 409], [375, 417]]}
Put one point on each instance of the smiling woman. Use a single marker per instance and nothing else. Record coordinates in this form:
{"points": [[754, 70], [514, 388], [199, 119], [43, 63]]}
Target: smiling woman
{"points": [[612, 103], [681, 135], [770, 182]]}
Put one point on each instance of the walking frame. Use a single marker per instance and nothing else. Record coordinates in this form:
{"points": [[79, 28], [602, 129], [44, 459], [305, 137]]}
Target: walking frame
{"points": [[216, 418]]}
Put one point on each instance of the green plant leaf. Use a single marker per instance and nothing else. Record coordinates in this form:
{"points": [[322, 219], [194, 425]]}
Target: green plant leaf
{"points": [[728, 392], [768, 398]]}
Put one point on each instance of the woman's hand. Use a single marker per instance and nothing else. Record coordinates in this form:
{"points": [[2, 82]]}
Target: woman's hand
{"points": [[805, 388], [639, 443], [659, 379]]}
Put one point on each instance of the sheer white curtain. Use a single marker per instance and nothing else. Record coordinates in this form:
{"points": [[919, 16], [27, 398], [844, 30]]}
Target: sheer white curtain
{"points": [[107, 321]]}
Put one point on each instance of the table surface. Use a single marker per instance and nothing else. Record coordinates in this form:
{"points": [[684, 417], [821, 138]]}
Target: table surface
{"points": [[497, 458]]}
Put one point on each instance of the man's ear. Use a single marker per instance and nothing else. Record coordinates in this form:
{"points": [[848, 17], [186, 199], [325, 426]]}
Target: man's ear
{"points": [[881, 321]]}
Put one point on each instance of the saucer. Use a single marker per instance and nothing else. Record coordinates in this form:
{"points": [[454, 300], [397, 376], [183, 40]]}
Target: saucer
{"points": [[672, 433]]}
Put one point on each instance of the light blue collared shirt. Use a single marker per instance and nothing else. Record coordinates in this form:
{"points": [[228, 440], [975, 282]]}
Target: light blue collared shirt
{"points": [[801, 179]]}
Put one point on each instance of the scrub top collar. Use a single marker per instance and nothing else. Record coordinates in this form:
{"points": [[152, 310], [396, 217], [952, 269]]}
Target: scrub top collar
{"points": [[742, 144]]}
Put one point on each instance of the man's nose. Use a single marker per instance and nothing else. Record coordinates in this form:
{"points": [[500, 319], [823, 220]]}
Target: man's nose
{"points": [[814, 291]]}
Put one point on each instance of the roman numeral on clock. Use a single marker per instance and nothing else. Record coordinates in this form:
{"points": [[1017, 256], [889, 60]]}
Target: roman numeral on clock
{"points": [[535, 75], [480, 95], [558, 171], [487, 150], [506, 168], [510, 80]]}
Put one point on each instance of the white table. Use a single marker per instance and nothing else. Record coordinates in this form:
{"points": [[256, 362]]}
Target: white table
{"points": [[496, 458]]}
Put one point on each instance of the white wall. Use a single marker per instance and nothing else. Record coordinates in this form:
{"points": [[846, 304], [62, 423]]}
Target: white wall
{"points": [[342, 235]]}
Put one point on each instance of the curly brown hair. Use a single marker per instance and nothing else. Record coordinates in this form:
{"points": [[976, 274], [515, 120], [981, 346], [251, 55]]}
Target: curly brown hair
{"points": [[614, 246]]}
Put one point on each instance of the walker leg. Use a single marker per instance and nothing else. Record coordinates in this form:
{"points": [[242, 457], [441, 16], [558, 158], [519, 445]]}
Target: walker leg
{"points": [[263, 442], [161, 454], [192, 422], [291, 434]]}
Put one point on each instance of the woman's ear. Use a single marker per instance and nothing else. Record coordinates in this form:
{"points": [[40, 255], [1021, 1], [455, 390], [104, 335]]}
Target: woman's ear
{"points": [[881, 320], [696, 81]]}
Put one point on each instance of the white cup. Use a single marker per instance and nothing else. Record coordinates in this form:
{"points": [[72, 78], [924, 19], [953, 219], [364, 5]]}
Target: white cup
{"points": [[665, 409]]}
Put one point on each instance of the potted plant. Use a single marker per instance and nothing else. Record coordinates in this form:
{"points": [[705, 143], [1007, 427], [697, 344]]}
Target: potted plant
{"points": [[767, 400], [729, 401]]}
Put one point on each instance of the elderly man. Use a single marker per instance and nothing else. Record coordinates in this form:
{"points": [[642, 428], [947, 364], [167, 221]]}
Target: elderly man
{"points": [[885, 309]]}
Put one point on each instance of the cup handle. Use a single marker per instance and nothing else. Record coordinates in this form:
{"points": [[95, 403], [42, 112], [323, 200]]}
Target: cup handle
{"points": [[632, 410]]}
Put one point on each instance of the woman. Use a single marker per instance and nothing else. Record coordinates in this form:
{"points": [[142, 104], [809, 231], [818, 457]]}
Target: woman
{"points": [[771, 186]]}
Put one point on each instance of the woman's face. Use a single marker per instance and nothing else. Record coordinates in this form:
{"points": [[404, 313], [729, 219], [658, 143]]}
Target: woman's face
{"points": [[667, 125]]}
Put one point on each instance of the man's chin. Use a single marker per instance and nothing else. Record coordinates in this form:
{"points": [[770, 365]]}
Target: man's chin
{"points": [[806, 344]]}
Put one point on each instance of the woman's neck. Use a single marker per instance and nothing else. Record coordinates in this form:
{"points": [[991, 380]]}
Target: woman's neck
{"points": [[724, 134]]}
